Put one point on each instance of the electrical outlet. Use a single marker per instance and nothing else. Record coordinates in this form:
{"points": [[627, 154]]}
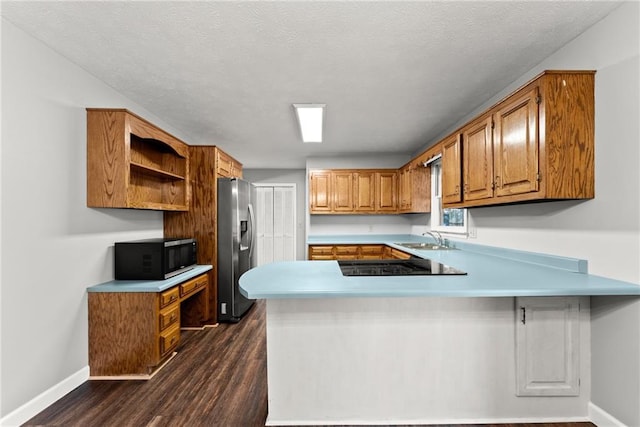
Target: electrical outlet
{"points": [[472, 232]]}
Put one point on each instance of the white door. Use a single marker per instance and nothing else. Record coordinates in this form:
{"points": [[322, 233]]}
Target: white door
{"points": [[548, 346], [276, 219]]}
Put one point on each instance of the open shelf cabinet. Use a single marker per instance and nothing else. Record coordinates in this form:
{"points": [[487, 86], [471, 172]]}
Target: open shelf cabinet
{"points": [[133, 164]]}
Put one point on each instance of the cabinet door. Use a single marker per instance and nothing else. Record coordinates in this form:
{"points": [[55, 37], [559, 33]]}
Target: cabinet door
{"points": [[516, 145], [405, 188], [371, 252], [346, 251], [451, 170], [320, 191], [342, 191], [547, 346], [365, 191], [386, 192], [477, 149], [321, 252]]}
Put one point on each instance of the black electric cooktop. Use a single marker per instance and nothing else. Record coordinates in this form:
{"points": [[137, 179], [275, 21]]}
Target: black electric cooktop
{"points": [[396, 267]]}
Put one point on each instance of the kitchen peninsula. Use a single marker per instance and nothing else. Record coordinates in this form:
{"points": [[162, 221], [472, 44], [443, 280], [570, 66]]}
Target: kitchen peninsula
{"points": [[509, 341]]}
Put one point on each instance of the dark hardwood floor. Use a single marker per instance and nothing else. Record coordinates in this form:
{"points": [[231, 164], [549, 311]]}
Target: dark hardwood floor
{"points": [[218, 378]]}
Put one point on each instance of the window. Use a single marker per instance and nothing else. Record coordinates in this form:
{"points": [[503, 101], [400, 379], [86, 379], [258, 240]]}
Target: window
{"points": [[446, 220]]}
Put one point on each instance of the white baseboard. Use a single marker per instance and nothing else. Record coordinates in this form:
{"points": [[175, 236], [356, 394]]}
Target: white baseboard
{"points": [[602, 418], [36, 405], [529, 420]]}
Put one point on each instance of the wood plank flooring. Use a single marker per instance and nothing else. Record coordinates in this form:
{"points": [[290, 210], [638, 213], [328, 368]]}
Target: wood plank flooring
{"points": [[218, 378]]}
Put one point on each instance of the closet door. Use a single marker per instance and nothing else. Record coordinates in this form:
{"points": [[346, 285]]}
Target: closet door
{"points": [[275, 223], [264, 225]]}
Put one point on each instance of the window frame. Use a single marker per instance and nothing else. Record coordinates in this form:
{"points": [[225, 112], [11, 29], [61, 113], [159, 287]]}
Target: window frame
{"points": [[437, 212]]}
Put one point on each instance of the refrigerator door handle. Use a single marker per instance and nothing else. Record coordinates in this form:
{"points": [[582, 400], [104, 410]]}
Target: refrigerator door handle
{"points": [[252, 236]]}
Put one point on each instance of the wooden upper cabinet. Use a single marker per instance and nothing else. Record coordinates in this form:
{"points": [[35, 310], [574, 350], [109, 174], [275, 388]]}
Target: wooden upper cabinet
{"points": [[320, 192], [386, 191], [353, 191], [364, 191], [342, 191], [516, 145], [227, 166], [477, 169], [541, 146], [452, 170], [133, 164], [404, 188]]}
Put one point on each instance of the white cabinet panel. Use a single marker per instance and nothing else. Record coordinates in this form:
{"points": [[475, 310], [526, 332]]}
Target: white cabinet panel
{"points": [[547, 346]]}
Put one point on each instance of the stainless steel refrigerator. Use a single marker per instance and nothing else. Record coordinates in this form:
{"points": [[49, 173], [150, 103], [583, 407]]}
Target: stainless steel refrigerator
{"points": [[236, 241]]}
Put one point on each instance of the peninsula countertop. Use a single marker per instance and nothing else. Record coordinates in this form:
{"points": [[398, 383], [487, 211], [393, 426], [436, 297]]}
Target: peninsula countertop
{"points": [[491, 272]]}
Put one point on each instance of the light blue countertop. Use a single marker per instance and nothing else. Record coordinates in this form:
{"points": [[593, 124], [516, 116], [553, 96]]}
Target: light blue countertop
{"points": [[491, 272], [149, 285]]}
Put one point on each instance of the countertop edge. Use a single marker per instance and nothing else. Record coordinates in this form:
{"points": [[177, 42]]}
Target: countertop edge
{"points": [[149, 285]]}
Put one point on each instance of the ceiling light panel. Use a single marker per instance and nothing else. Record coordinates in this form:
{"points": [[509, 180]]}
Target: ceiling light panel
{"points": [[311, 121]]}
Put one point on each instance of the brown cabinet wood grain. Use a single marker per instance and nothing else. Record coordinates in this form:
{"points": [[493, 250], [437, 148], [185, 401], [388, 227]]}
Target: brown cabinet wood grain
{"points": [[386, 192], [348, 252], [353, 191], [516, 145], [133, 333], [342, 186], [364, 191], [540, 147], [451, 172], [320, 191], [133, 164], [201, 220], [227, 166], [414, 188], [477, 170]]}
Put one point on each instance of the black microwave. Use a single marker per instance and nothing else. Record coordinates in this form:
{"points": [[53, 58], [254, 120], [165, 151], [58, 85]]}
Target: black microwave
{"points": [[154, 259]]}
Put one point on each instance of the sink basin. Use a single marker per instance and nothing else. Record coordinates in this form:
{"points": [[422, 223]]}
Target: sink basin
{"points": [[424, 246]]}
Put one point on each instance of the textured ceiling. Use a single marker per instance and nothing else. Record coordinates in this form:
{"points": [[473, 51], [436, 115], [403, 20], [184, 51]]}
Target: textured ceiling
{"points": [[394, 74]]}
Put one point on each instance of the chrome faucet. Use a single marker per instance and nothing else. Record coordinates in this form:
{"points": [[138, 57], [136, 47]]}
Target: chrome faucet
{"points": [[440, 241]]}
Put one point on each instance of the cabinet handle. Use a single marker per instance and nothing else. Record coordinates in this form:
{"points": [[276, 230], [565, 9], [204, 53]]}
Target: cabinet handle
{"points": [[466, 189], [498, 184], [523, 316], [457, 189]]}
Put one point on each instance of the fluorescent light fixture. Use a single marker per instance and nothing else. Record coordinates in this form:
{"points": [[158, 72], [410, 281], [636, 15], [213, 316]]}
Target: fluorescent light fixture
{"points": [[311, 120]]}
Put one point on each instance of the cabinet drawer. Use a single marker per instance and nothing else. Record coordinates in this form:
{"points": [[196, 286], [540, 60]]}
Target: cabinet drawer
{"points": [[371, 249], [169, 339], [346, 250], [321, 250], [169, 316], [399, 254], [193, 285], [169, 296]]}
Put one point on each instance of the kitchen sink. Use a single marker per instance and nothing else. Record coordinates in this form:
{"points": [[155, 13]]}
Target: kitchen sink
{"points": [[424, 246]]}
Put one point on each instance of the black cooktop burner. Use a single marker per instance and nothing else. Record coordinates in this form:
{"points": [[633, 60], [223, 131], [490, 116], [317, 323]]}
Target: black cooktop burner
{"points": [[396, 267]]}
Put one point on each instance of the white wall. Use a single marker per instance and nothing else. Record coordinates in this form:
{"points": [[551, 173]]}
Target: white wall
{"points": [[605, 230], [58, 246]]}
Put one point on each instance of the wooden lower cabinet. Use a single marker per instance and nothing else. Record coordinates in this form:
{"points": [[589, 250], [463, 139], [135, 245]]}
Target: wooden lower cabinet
{"points": [[393, 253], [321, 252], [345, 252], [132, 333]]}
